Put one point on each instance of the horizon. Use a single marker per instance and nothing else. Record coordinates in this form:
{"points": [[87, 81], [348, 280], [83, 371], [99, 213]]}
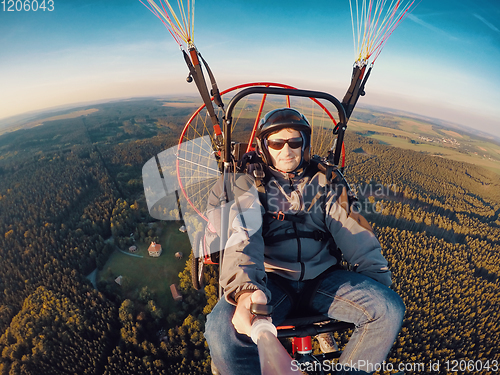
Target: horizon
{"points": [[432, 66], [18, 122]]}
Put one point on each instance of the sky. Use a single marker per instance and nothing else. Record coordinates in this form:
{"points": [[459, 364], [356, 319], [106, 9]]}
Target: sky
{"points": [[440, 62]]}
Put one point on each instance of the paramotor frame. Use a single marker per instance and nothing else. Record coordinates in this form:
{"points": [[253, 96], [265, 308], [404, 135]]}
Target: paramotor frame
{"points": [[198, 167]]}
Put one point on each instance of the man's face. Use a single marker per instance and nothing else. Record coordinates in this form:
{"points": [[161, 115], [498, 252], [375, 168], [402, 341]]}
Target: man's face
{"points": [[287, 159]]}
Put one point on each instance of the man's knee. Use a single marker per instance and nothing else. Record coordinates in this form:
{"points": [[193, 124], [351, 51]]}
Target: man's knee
{"points": [[392, 309], [210, 330], [397, 306], [219, 330], [218, 326], [231, 352]]}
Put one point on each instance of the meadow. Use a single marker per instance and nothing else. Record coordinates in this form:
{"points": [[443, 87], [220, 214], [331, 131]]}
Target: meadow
{"points": [[420, 136], [155, 273]]}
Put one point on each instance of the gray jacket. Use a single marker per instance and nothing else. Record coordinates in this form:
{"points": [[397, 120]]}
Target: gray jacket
{"points": [[247, 257]]}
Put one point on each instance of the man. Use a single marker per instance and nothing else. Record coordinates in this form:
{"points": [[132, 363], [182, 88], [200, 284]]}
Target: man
{"points": [[302, 218]]}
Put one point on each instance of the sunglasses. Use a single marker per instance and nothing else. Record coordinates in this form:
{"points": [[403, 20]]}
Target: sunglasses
{"points": [[278, 144]]}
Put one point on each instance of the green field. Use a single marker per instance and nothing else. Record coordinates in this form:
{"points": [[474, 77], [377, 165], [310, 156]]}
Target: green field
{"points": [[445, 152], [405, 133], [155, 273]]}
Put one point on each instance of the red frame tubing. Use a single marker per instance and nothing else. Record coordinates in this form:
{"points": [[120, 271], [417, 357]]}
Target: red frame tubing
{"points": [[256, 124]]}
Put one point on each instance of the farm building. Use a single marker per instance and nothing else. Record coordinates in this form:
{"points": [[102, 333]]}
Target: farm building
{"points": [[154, 249], [175, 293]]}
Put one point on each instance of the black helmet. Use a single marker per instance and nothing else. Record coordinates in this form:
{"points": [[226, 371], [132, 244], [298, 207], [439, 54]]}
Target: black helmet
{"points": [[283, 118]]}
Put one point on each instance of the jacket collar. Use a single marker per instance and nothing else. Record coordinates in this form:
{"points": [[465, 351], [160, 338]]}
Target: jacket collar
{"points": [[287, 176]]}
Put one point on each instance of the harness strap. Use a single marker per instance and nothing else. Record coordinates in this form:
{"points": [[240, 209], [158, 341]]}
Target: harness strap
{"points": [[315, 235], [196, 73], [215, 90], [281, 216]]}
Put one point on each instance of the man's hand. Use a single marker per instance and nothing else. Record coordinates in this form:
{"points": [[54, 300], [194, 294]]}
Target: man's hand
{"points": [[242, 318], [344, 203]]}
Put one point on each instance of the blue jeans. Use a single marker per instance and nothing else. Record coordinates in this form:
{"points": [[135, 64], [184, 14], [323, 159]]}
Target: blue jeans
{"points": [[376, 311]]}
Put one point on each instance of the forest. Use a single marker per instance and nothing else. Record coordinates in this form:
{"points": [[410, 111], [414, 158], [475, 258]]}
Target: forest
{"points": [[68, 186]]}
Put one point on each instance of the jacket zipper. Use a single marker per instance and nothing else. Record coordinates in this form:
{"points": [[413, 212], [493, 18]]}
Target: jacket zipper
{"points": [[299, 245], [299, 252]]}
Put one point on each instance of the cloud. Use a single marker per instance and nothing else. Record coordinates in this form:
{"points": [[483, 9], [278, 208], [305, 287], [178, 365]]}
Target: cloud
{"points": [[431, 27], [491, 26]]}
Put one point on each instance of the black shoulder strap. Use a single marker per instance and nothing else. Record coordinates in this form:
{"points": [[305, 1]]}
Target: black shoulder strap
{"points": [[335, 178], [261, 175]]}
